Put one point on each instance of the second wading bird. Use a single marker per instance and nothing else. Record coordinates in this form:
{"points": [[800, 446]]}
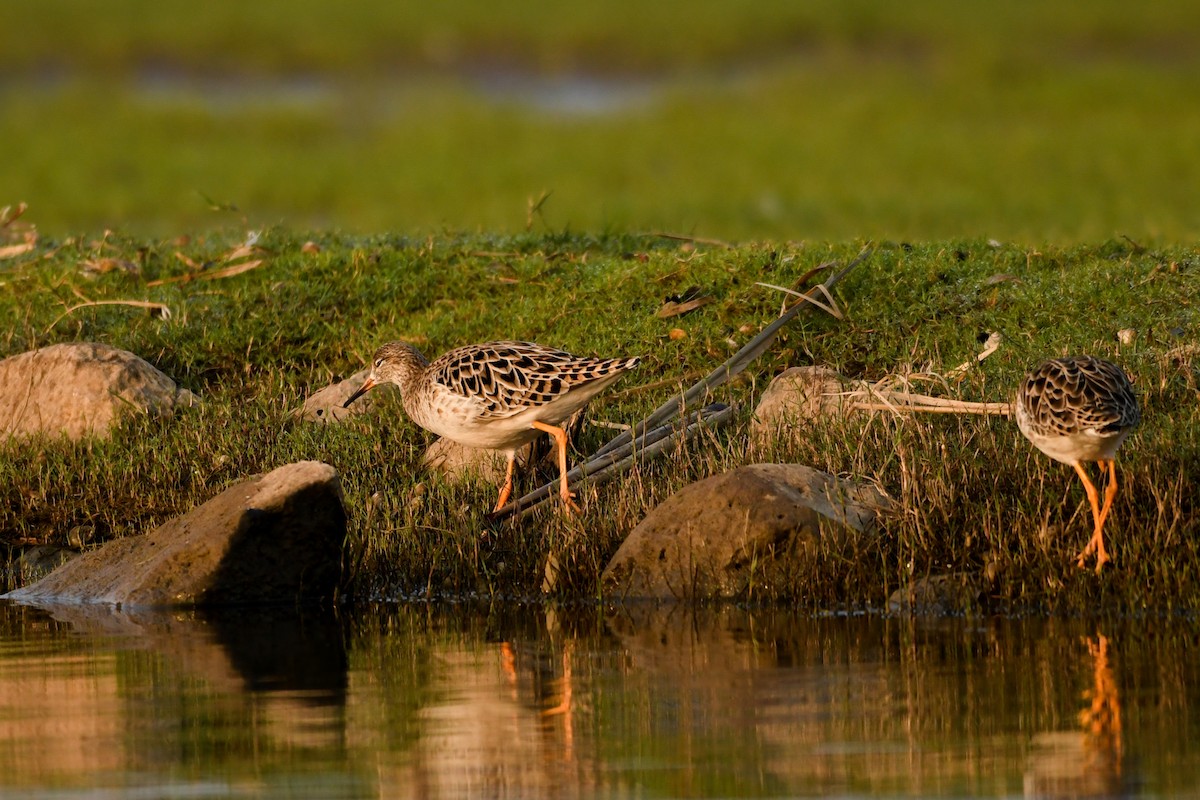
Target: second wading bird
{"points": [[496, 395], [1076, 410]]}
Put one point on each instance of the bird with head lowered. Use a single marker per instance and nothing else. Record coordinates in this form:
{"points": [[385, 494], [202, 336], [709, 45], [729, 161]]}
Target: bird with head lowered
{"points": [[496, 395]]}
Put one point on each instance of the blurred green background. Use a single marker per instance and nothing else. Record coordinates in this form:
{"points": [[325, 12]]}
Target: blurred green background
{"points": [[829, 119]]}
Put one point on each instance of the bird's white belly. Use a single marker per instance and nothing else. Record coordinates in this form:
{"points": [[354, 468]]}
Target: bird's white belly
{"points": [[459, 420], [1082, 446]]}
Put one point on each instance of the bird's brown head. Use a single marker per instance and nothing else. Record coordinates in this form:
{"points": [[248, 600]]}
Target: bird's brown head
{"points": [[395, 362]]}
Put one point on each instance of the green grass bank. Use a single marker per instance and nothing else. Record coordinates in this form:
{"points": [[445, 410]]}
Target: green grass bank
{"points": [[976, 496]]}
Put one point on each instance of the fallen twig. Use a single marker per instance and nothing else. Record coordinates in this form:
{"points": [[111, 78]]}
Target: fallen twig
{"points": [[619, 452], [227, 272], [10, 214], [13, 250], [992, 344], [615, 426], [831, 308], [898, 402], [734, 366], [692, 239], [601, 468], [28, 234], [158, 308]]}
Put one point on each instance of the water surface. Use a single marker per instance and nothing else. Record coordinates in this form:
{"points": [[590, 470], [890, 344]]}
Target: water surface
{"points": [[504, 701]]}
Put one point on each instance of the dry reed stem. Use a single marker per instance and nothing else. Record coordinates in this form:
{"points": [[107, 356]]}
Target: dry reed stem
{"points": [[676, 237], [158, 308], [831, 308], [876, 398], [227, 272]]}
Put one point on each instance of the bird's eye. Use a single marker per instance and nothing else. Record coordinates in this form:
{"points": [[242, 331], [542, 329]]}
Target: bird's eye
{"points": [[378, 363]]}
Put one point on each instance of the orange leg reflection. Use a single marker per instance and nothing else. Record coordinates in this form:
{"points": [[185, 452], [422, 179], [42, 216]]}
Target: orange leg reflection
{"points": [[1101, 721], [561, 687], [551, 697]]}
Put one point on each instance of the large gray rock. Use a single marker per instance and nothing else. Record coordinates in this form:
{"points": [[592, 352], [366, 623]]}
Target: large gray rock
{"points": [[80, 389], [277, 537], [713, 538]]}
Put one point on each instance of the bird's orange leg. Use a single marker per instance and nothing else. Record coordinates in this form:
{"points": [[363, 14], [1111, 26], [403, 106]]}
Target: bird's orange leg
{"points": [[506, 489], [1110, 491], [1097, 541], [560, 441]]}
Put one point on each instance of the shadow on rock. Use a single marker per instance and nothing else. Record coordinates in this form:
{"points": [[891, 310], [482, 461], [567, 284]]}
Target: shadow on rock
{"points": [[275, 538]]}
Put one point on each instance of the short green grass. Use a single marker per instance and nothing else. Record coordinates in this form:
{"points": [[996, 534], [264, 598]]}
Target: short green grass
{"points": [[975, 496]]}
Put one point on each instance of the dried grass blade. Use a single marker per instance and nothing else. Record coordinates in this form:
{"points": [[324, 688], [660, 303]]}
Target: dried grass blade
{"points": [[14, 250], [159, 308], [225, 272]]}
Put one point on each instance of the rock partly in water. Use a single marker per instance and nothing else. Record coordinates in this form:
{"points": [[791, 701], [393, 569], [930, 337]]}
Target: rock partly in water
{"points": [[796, 398], [724, 536], [274, 538], [939, 594], [80, 389]]}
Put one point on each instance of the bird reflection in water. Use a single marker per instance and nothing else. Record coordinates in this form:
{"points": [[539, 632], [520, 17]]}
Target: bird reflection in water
{"points": [[1101, 721], [1088, 762], [548, 693]]}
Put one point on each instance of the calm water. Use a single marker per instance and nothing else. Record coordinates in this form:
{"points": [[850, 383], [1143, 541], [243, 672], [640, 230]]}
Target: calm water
{"points": [[417, 701]]}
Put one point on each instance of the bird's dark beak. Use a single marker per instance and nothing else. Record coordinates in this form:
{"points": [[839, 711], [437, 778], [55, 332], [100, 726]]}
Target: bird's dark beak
{"points": [[361, 391]]}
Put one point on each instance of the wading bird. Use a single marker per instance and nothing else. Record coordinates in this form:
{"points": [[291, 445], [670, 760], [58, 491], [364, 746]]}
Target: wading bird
{"points": [[1076, 410], [496, 395]]}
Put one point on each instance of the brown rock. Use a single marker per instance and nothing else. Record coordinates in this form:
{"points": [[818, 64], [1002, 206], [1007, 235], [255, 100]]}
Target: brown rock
{"points": [[326, 404], [795, 398], [38, 561], [277, 537], [79, 390], [457, 462], [712, 538]]}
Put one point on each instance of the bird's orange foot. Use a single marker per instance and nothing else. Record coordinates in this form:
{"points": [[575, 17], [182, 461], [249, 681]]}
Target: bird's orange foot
{"points": [[1081, 562], [568, 499], [1102, 556]]}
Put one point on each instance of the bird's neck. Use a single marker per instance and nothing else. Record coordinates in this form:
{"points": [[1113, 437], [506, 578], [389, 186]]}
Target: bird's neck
{"points": [[410, 369]]}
